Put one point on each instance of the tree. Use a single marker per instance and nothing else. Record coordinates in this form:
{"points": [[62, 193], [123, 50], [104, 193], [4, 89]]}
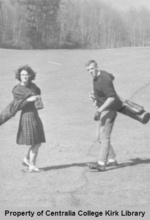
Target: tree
{"points": [[32, 33], [1, 22], [49, 14], [37, 24]]}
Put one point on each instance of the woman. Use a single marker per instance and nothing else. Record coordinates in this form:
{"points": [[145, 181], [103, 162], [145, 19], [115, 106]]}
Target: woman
{"points": [[30, 131]]}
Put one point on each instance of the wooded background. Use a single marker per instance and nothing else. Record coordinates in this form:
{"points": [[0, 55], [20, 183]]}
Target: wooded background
{"points": [[59, 24]]}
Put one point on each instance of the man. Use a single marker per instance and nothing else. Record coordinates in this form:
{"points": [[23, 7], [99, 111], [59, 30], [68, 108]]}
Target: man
{"points": [[108, 103]]}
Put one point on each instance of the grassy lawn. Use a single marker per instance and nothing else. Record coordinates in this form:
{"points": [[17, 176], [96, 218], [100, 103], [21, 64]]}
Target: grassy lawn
{"points": [[70, 132]]}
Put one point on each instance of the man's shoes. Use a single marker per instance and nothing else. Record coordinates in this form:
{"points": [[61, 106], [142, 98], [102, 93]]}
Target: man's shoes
{"points": [[90, 164], [33, 169], [111, 164], [97, 166], [145, 117], [25, 162]]}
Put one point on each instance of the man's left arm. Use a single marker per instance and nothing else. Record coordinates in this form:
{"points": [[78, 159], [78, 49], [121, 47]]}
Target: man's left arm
{"points": [[103, 107], [106, 104]]}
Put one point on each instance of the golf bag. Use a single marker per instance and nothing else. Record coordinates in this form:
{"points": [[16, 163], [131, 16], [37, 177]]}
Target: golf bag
{"points": [[135, 111]]}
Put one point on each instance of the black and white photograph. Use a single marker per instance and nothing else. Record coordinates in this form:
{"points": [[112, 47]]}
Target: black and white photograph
{"points": [[75, 109]]}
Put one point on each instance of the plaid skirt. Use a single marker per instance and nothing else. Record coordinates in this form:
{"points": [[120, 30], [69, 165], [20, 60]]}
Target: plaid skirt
{"points": [[30, 131]]}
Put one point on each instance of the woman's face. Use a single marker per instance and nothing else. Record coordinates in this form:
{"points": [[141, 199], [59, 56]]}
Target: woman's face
{"points": [[24, 76]]}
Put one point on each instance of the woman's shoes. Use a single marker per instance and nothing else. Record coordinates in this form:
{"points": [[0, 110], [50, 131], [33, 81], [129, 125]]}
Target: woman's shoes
{"points": [[25, 162], [33, 169]]}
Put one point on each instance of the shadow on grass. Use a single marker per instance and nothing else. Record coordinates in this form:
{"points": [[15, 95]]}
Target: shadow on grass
{"points": [[63, 166], [133, 162]]}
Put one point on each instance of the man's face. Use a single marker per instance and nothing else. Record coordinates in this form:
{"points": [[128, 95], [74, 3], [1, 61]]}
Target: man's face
{"points": [[92, 69]]}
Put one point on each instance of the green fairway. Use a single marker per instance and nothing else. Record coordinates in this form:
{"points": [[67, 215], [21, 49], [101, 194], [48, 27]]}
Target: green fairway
{"points": [[70, 131]]}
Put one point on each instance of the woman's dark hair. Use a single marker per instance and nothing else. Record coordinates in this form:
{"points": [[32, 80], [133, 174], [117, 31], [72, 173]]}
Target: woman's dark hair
{"points": [[27, 68]]}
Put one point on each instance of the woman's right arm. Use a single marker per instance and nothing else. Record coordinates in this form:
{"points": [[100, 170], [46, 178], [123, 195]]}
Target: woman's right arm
{"points": [[19, 95], [27, 101], [32, 98]]}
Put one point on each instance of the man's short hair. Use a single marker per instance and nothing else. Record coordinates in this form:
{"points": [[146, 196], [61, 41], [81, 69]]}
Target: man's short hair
{"points": [[91, 61]]}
